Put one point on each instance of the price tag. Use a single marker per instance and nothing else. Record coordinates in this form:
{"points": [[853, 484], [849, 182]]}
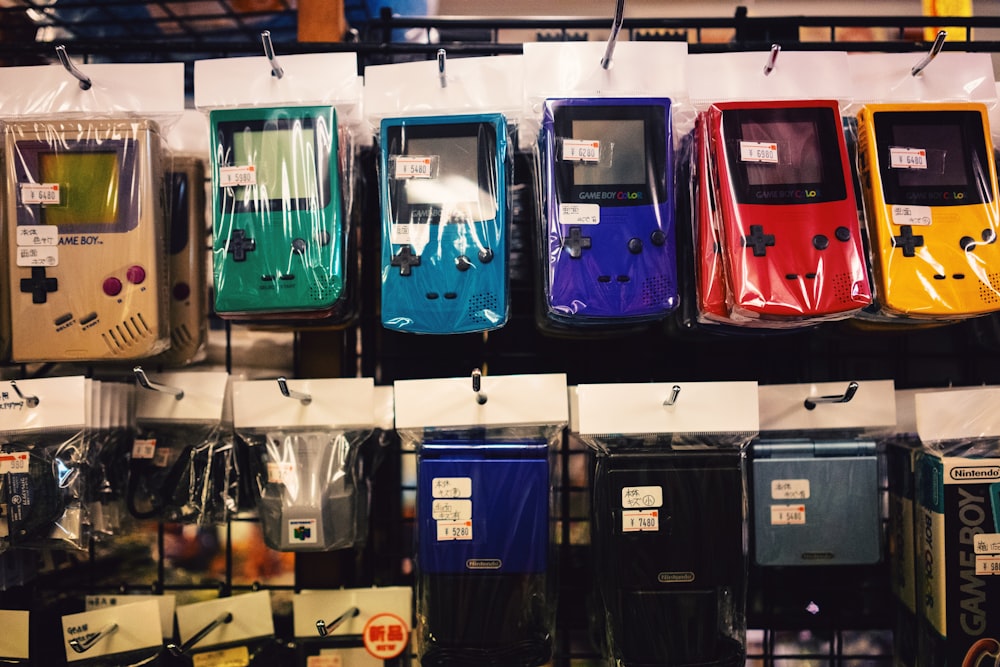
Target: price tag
{"points": [[788, 515], [790, 489], [451, 487], [280, 471], [987, 565], [37, 235], [162, 457], [40, 193], [231, 177], [17, 462], [634, 521], [451, 510], [144, 448], [414, 166], [41, 256], [642, 497], [579, 214], [454, 530], [230, 657], [907, 158], [759, 151], [911, 215], [324, 660], [576, 150]]}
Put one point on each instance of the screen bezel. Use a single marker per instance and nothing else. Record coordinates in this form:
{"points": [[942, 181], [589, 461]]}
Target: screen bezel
{"points": [[651, 192], [973, 145], [829, 131], [397, 138], [27, 172], [226, 130]]}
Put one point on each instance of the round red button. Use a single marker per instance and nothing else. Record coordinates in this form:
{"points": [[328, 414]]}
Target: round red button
{"points": [[112, 286], [135, 274]]}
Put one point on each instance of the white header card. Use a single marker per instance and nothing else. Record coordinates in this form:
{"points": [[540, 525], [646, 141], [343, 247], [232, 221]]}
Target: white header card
{"points": [[797, 75], [167, 605], [14, 638], [872, 407], [698, 407], [251, 618], [510, 400], [958, 414], [124, 628], [62, 403], [951, 77], [203, 398], [308, 607], [336, 403]]}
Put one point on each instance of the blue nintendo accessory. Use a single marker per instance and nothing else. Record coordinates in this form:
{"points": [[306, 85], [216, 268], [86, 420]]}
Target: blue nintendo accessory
{"points": [[483, 517], [445, 223], [277, 215], [608, 172], [816, 503]]}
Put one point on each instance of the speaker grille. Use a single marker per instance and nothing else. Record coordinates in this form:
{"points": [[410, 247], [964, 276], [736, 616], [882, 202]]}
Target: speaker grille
{"points": [[990, 293], [181, 336], [483, 308], [123, 336], [842, 285], [320, 286], [657, 290]]}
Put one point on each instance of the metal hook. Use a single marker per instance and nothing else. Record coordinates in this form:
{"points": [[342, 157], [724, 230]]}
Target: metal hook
{"points": [[146, 383], [442, 57], [772, 58], [304, 398], [85, 82], [326, 628], [30, 401], [85, 644], [222, 619], [276, 69], [852, 389], [613, 38], [477, 379], [674, 393], [935, 49]]}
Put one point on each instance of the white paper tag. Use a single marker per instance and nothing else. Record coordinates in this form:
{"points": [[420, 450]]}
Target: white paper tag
{"points": [[454, 530], [451, 487], [324, 660], [759, 151], [279, 471], [40, 193], [987, 544], [907, 158], [161, 459], [634, 521], [40, 256], [32, 236], [911, 215], [231, 177], [788, 515], [414, 166], [987, 565], [636, 497], [404, 233], [17, 462], [451, 510], [144, 448], [579, 214], [577, 150], [790, 489]]}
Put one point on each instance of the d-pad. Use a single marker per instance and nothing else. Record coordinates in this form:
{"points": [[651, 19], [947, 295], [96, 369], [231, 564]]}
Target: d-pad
{"points": [[239, 245], [576, 243], [908, 241], [38, 285], [758, 240], [405, 260]]}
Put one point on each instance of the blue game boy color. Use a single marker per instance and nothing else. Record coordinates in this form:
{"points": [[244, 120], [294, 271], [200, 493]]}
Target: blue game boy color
{"points": [[445, 220], [608, 180]]}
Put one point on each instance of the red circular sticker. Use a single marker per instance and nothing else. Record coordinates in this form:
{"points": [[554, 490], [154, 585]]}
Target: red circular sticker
{"points": [[386, 636]]}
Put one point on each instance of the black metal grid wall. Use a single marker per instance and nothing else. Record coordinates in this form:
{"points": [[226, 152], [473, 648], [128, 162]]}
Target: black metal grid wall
{"points": [[963, 354]]}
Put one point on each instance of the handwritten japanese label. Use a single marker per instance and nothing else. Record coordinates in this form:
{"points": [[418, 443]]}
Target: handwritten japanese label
{"points": [[32, 236], [790, 489], [641, 497], [911, 215], [40, 256], [451, 510], [451, 487], [580, 214]]}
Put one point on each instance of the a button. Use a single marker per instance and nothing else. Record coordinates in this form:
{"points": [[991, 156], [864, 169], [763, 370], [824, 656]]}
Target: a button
{"points": [[182, 291], [88, 318], [658, 238], [958, 276], [451, 295], [575, 243], [811, 276], [405, 259], [432, 295], [820, 242], [485, 255], [463, 263], [988, 235], [267, 278], [299, 246], [967, 243], [908, 241], [239, 245], [604, 279], [135, 274], [39, 285], [938, 276], [623, 279], [758, 240], [635, 246], [63, 319], [112, 286], [286, 276], [842, 234], [323, 238], [791, 276]]}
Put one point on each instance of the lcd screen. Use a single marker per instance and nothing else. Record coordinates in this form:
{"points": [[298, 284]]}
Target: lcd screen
{"points": [[284, 161], [945, 155], [799, 154], [457, 180], [622, 152], [88, 184]]}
